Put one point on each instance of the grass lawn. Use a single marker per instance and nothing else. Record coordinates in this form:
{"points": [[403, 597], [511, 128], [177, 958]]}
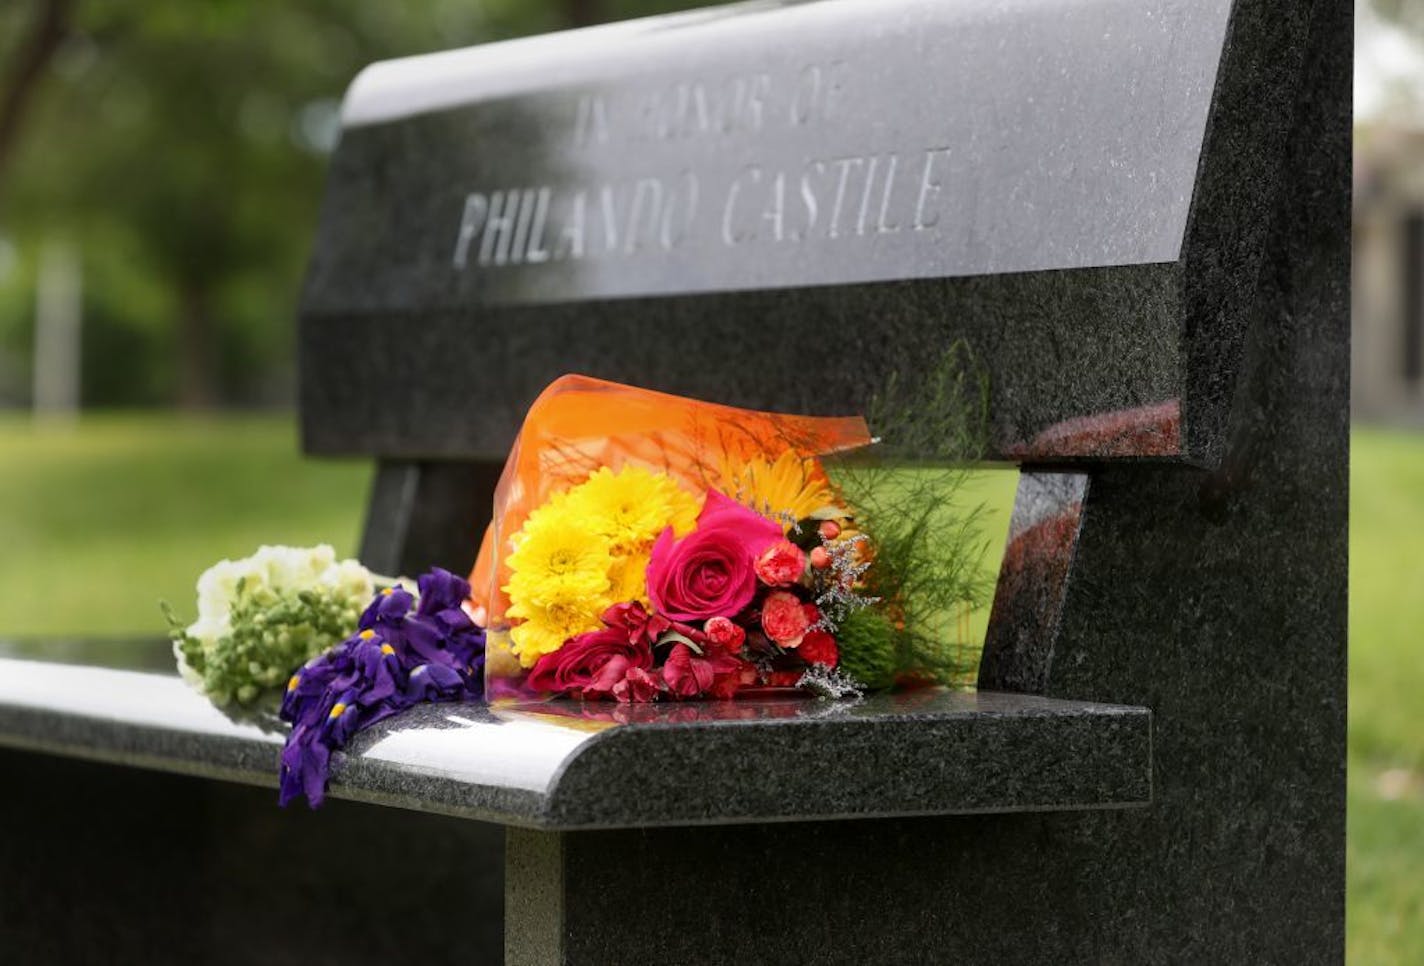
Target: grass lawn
{"points": [[100, 523], [1385, 913]]}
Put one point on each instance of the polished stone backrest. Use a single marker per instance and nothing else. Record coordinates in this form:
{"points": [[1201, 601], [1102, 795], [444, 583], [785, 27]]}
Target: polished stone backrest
{"points": [[776, 204]]}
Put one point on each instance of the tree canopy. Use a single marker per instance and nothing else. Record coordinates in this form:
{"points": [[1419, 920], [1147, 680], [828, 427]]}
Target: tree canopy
{"points": [[180, 146]]}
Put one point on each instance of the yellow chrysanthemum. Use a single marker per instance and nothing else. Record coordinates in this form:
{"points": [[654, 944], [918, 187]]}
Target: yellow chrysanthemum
{"points": [[790, 487], [629, 578], [556, 554], [631, 507], [585, 550], [545, 629]]}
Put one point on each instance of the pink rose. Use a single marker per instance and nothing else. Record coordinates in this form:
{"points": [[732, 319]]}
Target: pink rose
{"points": [[591, 663], [781, 564], [785, 619], [712, 571], [725, 634], [756, 531]]}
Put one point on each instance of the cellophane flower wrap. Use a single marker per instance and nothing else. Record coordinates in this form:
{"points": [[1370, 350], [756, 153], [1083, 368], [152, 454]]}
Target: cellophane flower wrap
{"points": [[648, 547]]}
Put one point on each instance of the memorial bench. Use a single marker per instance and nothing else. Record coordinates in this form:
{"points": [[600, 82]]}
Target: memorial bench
{"points": [[1137, 216]]}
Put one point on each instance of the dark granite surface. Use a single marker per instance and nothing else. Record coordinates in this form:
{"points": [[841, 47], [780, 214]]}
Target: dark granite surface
{"points": [[1219, 600], [110, 866], [1033, 578], [1084, 244], [427, 514], [565, 765]]}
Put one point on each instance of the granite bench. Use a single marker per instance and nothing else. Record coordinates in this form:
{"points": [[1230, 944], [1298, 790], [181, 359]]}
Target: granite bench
{"points": [[1136, 215]]}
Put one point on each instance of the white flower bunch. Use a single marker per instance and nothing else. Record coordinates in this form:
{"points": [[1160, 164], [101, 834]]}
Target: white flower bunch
{"points": [[264, 615]]}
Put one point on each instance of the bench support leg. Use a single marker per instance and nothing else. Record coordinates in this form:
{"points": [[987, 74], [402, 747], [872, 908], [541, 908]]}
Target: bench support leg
{"points": [[426, 514]]}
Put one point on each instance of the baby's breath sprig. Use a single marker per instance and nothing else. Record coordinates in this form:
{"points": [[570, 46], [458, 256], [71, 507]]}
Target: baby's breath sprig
{"points": [[829, 682], [838, 586]]}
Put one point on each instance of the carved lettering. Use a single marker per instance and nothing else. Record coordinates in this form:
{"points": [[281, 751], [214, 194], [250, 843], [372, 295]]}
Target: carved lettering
{"points": [[848, 199], [675, 230], [929, 190], [646, 209], [472, 222], [571, 238], [808, 196], [882, 224], [592, 124], [537, 252], [845, 165], [749, 175]]}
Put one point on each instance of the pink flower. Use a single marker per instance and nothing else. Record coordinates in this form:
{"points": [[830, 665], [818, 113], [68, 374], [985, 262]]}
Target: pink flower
{"points": [[719, 674], [819, 647], [637, 623], [637, 687], [724, 633], [712, 571], [785, 619], [781, 564], [591, 663], [733, 674], [608, 677], [756, 531], [687, 675]]}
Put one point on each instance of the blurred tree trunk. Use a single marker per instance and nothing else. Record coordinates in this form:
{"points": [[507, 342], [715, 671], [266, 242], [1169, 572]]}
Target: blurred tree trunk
{"points": [[51, 27], [196, 384], [583, 13]]}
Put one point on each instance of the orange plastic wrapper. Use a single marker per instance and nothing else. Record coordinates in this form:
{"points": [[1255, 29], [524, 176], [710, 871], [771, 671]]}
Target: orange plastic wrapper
{"points": [[646, 449]]}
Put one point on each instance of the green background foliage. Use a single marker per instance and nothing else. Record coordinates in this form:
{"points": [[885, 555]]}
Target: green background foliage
{"points": [[181, 145]]}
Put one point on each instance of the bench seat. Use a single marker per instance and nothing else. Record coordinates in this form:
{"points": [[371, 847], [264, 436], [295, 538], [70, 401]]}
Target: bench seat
{"points": [[562, 766]]}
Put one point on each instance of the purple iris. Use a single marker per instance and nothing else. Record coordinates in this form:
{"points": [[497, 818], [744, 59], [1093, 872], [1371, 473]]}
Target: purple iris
{"points": [[396, 659]]}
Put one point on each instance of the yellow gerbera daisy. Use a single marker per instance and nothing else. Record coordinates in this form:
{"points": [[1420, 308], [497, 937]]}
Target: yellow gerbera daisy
{"points": [[789, 487]]}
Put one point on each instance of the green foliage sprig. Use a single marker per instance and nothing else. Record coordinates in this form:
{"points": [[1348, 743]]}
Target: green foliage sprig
{"points": [[928, 544]]}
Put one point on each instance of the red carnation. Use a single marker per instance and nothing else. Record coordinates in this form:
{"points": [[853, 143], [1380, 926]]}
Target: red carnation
{"points": [[785, 619], [724, 633], [781, 564], [637, 623], [733, 674], [638, 686], [784, 679], [819, 647], [687, 675], [718, 675]]}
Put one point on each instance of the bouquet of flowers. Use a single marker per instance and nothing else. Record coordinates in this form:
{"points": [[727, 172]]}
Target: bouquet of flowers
{"points": [[646, 547]]}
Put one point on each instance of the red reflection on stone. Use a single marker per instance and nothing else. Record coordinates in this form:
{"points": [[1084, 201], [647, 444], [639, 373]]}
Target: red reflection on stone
{"points": [[1154, 430], [749, 704], [1046, 547]]}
